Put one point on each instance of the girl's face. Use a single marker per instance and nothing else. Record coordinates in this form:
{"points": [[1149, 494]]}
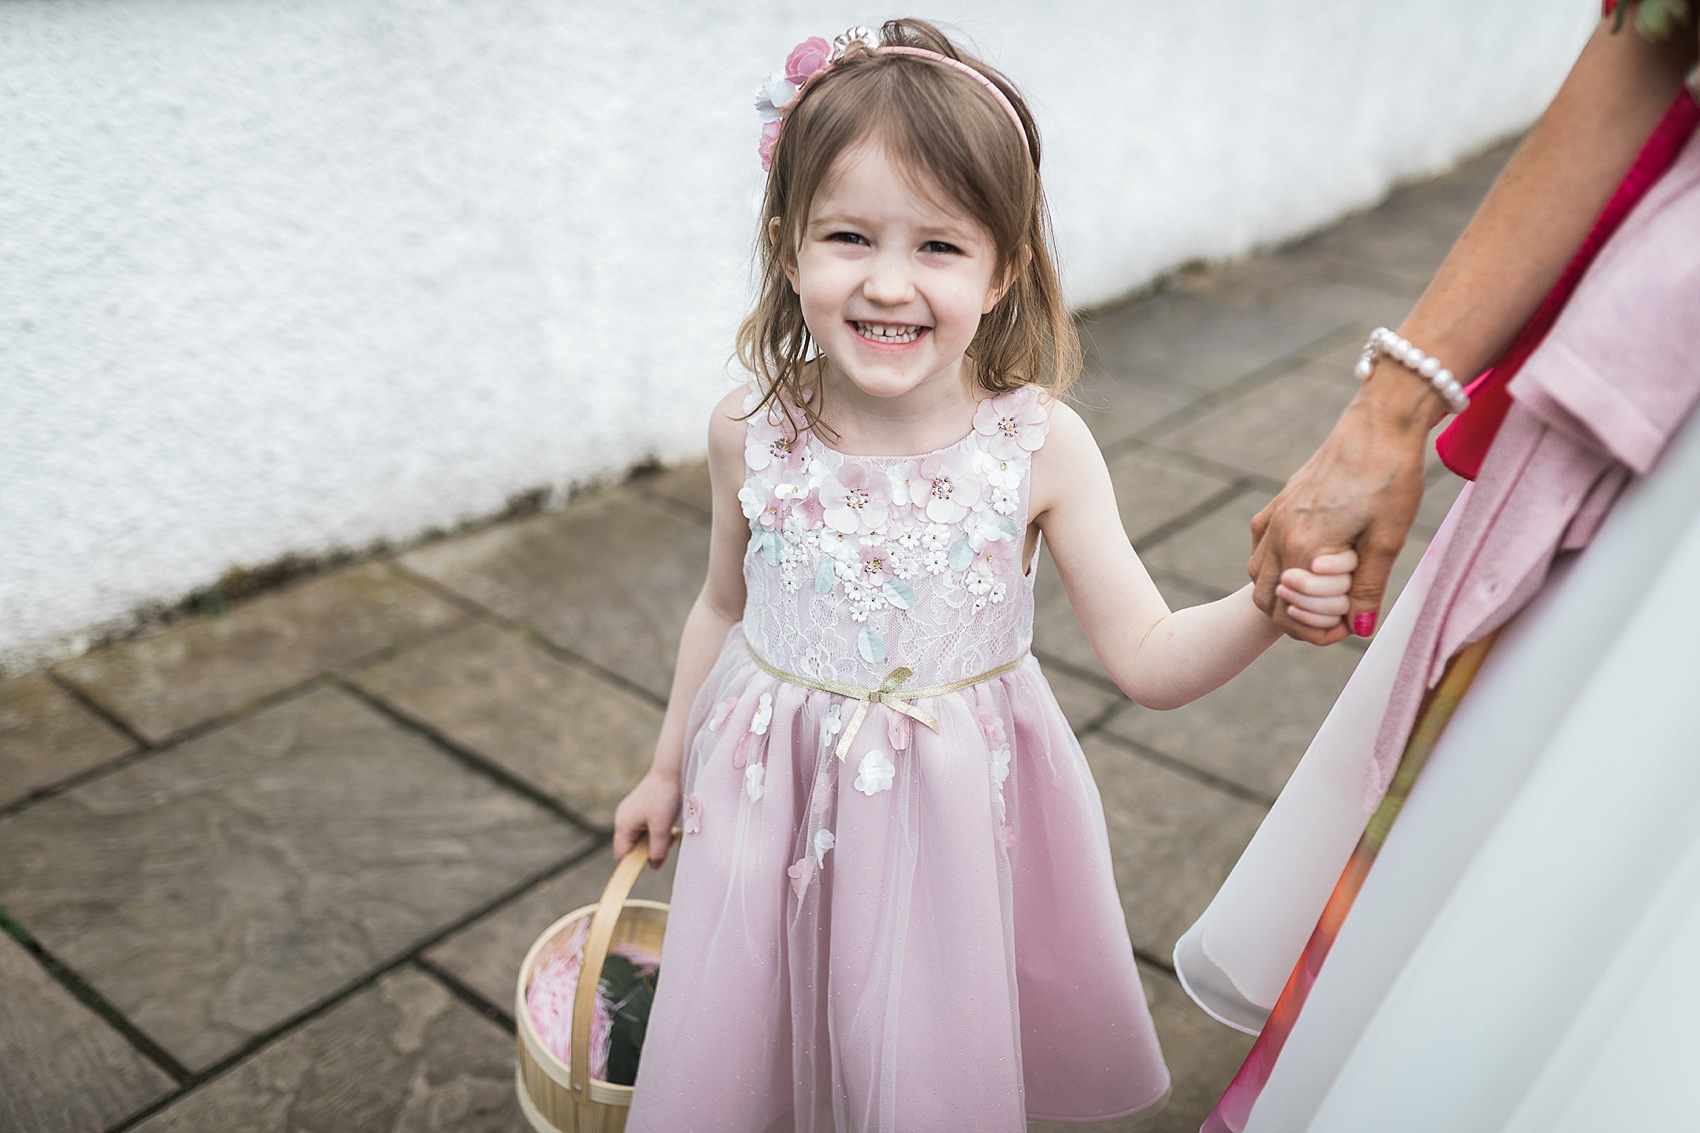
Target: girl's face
{"points": [[892, 284]]}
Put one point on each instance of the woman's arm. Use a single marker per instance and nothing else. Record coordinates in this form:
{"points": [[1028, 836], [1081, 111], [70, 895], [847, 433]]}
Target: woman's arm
{"points": [[1362, 487], [653, 804], [1161, 659]]}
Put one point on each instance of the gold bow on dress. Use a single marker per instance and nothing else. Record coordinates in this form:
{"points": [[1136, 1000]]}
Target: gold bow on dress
{"points": [[889, 692]]}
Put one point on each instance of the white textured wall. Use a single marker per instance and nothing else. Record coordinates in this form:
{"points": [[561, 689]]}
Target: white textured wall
{"points": [[293, 275]]}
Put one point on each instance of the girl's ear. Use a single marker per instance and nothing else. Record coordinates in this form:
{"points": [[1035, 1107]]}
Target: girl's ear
{"points": [[1000, 288], [787, 259]]}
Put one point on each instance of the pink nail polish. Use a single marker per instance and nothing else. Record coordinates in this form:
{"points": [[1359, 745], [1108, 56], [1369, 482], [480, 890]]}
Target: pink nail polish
{"points": [[1364, 624]]}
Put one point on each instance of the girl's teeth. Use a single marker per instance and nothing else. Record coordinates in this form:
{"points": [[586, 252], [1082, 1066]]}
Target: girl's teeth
{"points": [[889, 334]]}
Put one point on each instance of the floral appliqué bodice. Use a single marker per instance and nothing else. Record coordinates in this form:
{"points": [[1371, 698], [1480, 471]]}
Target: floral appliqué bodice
{"points": [[859, 564]]}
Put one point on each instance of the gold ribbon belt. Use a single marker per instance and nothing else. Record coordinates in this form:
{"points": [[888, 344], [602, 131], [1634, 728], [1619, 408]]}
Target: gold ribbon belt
{"points": [[888, 693]]}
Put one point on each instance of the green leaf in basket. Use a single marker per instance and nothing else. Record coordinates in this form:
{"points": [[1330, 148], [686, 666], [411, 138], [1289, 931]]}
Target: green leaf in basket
{"points": [[629, 993]]}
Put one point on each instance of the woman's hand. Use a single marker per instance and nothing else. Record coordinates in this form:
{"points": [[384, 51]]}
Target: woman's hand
{"points": [[1359, 491], [649, 810]]}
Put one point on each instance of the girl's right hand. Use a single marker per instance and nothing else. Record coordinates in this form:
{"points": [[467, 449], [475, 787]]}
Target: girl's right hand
{"points": [[649, 810], [1320, 596]]}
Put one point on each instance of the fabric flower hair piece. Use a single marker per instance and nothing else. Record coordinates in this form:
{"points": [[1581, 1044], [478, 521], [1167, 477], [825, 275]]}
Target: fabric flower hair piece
{"points": [[778, 93]]}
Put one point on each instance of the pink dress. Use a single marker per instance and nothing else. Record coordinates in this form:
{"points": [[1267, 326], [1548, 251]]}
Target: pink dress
{"points": [[925, 934]]}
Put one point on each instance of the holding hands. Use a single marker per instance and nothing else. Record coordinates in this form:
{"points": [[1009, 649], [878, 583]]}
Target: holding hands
{"points": [[1319, 598]]}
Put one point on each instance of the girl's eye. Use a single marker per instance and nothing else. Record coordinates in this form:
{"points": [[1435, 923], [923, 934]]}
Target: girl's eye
{"points": [[847, 238], [939, 247]]}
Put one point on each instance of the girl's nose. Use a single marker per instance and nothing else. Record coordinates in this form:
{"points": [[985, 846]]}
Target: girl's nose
{"points": [[888, 282]]}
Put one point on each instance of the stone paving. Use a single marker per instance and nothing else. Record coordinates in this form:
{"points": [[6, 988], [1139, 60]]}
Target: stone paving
{"points": [[275, 870]]}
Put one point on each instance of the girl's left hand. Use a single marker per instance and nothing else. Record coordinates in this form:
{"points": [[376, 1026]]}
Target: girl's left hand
{"points": [[1319, 596]]}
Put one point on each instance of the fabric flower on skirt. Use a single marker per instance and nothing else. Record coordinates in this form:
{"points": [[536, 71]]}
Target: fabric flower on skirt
{"points": [[763, 716], [753, 787], [831, 724], [718, 720], [824, 841], [1013, 424], [693, 815], [874, 774], [802, 872]]}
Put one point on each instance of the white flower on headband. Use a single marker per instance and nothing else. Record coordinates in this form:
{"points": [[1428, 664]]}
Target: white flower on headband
{"points": [[774, 96], [842, 43]]}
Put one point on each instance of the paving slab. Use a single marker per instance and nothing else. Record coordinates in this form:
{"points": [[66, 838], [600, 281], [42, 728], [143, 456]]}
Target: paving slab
{"points": [[213, 891], [486, 955], [1173, 837], [1211, 552], [1409, 234], [1058, 634], [1083, 702], [1153, 490], [1271, 430], [403, 1054], [65, 1070], [1305, 287], [1253, 729], [1118, 408], [611, 579], [46, 736], [685, 484], [1198, 340], [1203, 1057], [576, 736], [211, 667]]}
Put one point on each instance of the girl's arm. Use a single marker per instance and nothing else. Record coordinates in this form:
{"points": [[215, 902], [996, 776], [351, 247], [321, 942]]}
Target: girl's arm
{"points": [[653, 804], [1161, 659]]}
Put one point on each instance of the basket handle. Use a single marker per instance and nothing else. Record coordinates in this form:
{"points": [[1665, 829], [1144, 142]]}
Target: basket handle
{"points": [[595, 952]]}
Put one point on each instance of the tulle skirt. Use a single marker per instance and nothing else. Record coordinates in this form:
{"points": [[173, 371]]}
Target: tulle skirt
{"points": [[1522, 955], [927, 940]]}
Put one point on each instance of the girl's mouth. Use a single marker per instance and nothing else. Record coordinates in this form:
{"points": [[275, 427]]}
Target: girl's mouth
{"points": [[887, 334]]}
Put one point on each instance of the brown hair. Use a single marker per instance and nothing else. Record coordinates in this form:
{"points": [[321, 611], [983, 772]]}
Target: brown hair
{"points": [[955, 138]]}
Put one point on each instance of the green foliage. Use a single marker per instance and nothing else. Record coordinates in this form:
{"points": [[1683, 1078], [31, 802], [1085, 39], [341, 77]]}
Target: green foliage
{"points": [[1654, 19], [630, 993]]}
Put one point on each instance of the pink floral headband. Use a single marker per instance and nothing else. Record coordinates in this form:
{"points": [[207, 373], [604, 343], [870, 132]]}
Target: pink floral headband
{"points": [[813, 57]]}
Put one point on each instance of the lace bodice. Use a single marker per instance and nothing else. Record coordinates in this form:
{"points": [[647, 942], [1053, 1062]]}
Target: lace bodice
{"points": [[859, 564]]}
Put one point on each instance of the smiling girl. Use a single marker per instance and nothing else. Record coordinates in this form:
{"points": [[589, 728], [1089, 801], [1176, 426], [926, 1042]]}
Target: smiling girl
{"points": [[894, 907]]}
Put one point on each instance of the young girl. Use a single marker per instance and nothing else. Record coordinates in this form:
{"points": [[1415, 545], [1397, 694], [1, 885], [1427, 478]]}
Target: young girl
{"points": [[894, 907]]}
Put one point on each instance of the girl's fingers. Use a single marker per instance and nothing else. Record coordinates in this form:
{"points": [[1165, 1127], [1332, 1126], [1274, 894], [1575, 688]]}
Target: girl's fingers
{"points": [[1333, 605], [1305, 617], [1340, 562], [1319, 585]]}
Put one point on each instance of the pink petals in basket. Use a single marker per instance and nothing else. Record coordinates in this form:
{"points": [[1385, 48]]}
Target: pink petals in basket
{"points": [[554, 983]]}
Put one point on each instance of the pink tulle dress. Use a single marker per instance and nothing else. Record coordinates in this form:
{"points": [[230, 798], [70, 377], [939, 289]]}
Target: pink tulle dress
{"points": [[917, 930]]}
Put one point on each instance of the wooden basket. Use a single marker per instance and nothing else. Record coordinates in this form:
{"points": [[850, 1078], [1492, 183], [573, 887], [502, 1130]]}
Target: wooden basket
{"points": [[556, 1097]]}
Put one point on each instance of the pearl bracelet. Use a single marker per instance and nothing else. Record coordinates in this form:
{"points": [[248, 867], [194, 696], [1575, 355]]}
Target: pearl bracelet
{"points": [[1383, 343]]}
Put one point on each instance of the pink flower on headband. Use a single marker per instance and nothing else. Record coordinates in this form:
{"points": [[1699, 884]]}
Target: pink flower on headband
{"points": [[779, 93], [806, 58], [769, 135]]}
